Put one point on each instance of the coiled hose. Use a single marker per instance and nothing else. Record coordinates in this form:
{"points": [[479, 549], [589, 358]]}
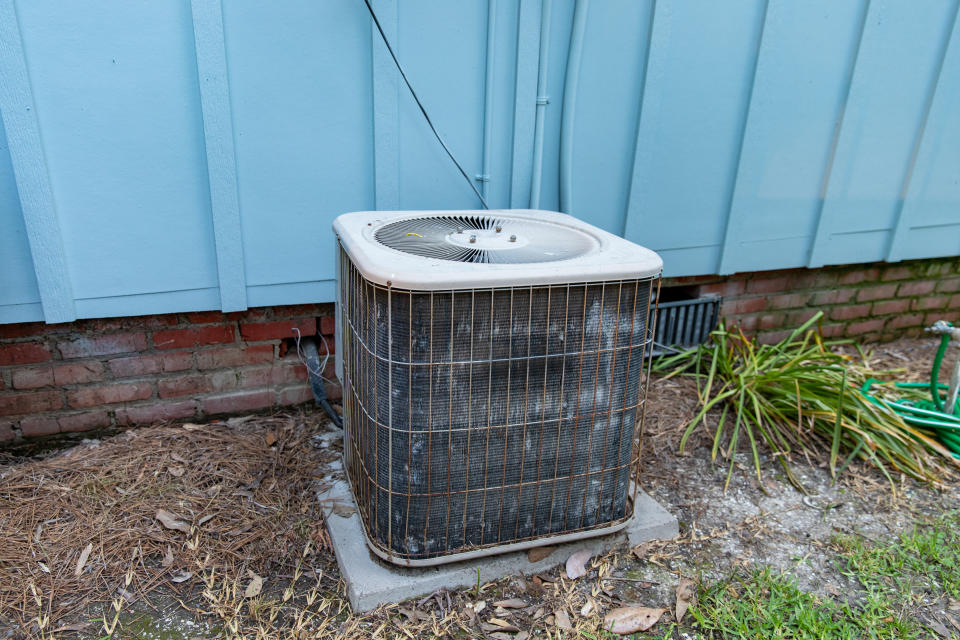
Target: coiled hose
{"points": [[927, 414]]}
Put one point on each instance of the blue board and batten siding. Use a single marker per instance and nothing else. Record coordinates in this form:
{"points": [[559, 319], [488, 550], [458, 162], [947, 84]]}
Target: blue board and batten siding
{"points": [[159, 157]]}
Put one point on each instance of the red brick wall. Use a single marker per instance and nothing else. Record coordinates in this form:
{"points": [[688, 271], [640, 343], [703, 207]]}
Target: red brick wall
{"points": [[868, 302], [122, 371]]}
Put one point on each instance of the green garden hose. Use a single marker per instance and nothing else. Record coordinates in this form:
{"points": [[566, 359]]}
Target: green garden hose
{"points": [[928, 414]]}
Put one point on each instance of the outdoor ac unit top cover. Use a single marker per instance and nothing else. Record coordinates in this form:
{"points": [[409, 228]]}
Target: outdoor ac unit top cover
{"points": [[440, 250]]}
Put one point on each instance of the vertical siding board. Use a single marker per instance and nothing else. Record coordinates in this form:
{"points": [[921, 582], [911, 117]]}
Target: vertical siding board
{"points": [[31, 173], [525, 102], [220, 151], [766, 44], [939, 110], [897, 61], [386, 108], [489, 93], [799, 87]]}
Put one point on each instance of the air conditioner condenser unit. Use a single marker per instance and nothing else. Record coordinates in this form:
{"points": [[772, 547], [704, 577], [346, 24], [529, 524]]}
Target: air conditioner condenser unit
{"points": [[493, 372]]}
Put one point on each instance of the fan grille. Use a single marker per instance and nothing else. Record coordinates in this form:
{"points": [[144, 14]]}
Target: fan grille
{"points": [[485, 239]]}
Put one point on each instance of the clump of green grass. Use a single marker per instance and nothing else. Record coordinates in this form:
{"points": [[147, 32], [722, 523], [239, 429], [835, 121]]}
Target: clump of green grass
{"points": [[927, 558], [800, 397], [765, 604]]}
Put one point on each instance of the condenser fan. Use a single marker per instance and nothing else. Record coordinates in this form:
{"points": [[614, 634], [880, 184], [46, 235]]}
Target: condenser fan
{"points": [[485, 239]]}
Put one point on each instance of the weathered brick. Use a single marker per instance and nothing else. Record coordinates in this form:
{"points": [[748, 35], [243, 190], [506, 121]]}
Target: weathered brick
{"points": [[796, 318], [770, 321], [748, 324], [743, 305], [205, 317], [900, 272], [7, 431], [858, 276], [851, 312], [295, 395], [773, 337], [948, 285], [156, 412], [196, 384], [865, 326], [22, 330], [279, 374], [788, 301], [148, 364], [193, 336], [30, 402], [83, 421], [234, 356], [916, 288], [78, 372], [301, 310], [928, 304], [307, 327], [954, 302], [23, 353], [109, 394], [876, 292], [102, 345], [890, 306], [768, 285], [35, 426], [328, 325], [239, 401], [32, 378], [832, 330], [837, 296], [905, 320]]}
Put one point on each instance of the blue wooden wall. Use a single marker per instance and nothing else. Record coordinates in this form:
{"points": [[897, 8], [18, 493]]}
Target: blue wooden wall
{"points": [[189, 155]]}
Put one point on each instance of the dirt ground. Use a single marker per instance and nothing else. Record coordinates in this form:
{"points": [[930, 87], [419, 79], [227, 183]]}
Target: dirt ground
{"points": [[241, 551]]}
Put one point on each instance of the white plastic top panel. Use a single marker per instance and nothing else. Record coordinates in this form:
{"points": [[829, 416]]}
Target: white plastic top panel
{"points": [[611, 258]]}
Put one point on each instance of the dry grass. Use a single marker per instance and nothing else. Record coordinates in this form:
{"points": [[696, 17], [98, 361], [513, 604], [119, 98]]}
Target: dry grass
{"points": [[81, 527]]}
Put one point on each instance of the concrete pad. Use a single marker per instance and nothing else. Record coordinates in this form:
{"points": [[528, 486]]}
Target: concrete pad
{"points": [[371, 581]]}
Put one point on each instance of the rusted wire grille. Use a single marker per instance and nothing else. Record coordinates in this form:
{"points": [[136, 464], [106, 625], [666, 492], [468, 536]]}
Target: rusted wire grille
{"points": [[483, 417]]}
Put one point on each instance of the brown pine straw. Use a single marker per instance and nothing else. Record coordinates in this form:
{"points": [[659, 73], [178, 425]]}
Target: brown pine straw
{"points": [[245, 489]]}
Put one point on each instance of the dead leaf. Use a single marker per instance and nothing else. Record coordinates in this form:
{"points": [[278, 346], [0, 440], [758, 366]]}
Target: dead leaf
{"points": [[587, 608], [43, 567], [576, 563], [953, 605], [686, 597], [270, 439], [175, 470], [79, 626], [563, 620], [940, 628], [171, 521], [523, 635], [343, 510], [213, 491], [512, 603], [182, 576], [641, 551], [503, 624], [539, 553], [538, 614], [190, 426], [625, 620], [83, 559], [178, 458], [167, 558], [126, 595], [479, 606], [255, 586], [205, 519]]}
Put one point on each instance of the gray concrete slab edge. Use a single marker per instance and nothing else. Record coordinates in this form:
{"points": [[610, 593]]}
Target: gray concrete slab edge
{"points": [[371, 581]]}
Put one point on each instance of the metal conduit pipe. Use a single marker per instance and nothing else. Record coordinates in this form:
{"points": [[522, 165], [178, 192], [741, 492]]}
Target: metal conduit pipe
{"points": [[542, 100], [574, 58]]}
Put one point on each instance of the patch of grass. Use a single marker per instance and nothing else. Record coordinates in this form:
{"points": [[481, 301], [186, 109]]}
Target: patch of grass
{"points": [[927, 558], [765, 604]]}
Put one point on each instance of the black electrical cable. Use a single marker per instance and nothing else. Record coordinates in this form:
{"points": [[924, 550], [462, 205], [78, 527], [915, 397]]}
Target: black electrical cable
{"points": [[422, 108]]}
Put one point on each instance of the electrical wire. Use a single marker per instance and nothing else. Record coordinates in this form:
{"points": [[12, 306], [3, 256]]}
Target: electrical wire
{"points": [[423, 109]]}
